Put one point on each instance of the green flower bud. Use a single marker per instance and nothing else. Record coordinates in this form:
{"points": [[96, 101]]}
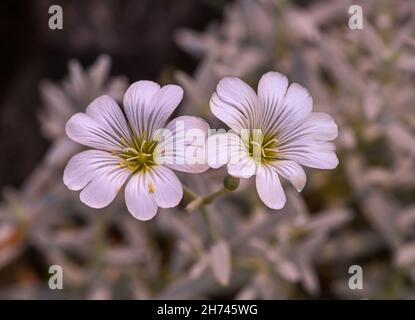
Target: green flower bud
{"points": [[231, 183]]}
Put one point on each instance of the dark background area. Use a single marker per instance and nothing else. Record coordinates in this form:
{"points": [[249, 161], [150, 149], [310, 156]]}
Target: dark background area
{"points": [[137, 34]]}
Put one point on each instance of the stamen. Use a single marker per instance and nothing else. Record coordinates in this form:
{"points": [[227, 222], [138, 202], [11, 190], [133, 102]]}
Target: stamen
{"points": [[256, 143], [269, 142], [138, 156], [133, 158], [129, 149], [267, 145], [142, 146]]}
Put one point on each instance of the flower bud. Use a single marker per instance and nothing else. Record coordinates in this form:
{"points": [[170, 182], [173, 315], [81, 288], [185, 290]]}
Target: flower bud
{"points": [[231, 183]]}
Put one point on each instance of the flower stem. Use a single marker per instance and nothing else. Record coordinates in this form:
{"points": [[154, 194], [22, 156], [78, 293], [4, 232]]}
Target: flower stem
{"points": [[189, 193], [229, 184], [201, 201]]}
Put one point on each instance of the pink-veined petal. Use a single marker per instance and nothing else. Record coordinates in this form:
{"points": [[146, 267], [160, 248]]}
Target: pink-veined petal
{"points": [[269, 187], [319, 126], [140, 202], [244, 167], [271, 91], [293, 172], [235, 103], [313, 154], [108, 114], [137, 104], [103, 126], [291, 111], [99, 175], [308, 144], [164, 102], [164, 186], [183, 146], [148, 106], [223, 148]]}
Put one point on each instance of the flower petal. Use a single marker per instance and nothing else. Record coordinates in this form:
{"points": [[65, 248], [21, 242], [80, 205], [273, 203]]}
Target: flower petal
{"points": [[87, 165], [290, 111], [140, 202], [229, 148], [308, 143], [244, 167], [271, 91], [164, 102], [314, 154], [269, 188], [293, 172], [108, 114], [137, 104], [235, 103], [222, 148], [98, 173], [183, 147], [103, 126], [164, 185], [319, 126]]}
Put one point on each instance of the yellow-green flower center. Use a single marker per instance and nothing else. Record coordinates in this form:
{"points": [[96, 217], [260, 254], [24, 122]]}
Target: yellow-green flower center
{"points": [[262, 148], [138, 157]]}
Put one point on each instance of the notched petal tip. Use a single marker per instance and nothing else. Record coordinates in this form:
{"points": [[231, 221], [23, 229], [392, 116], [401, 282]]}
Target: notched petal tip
{"points": [[174, 91], [143, 82], [273, 75]]}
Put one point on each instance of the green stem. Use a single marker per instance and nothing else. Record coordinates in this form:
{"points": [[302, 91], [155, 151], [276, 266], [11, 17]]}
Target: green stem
{"points": [[201, 201], [189, 193]]}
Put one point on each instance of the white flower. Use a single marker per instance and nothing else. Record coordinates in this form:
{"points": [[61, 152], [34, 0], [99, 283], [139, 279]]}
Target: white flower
{"points": [[129, 148], [274, 133]]}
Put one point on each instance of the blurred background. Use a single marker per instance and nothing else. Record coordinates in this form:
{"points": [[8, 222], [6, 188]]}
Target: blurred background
{"points": [[362, 213]]}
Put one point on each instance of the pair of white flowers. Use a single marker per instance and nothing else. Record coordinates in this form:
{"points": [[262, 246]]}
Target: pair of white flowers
{"points": [[273, 133]]}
